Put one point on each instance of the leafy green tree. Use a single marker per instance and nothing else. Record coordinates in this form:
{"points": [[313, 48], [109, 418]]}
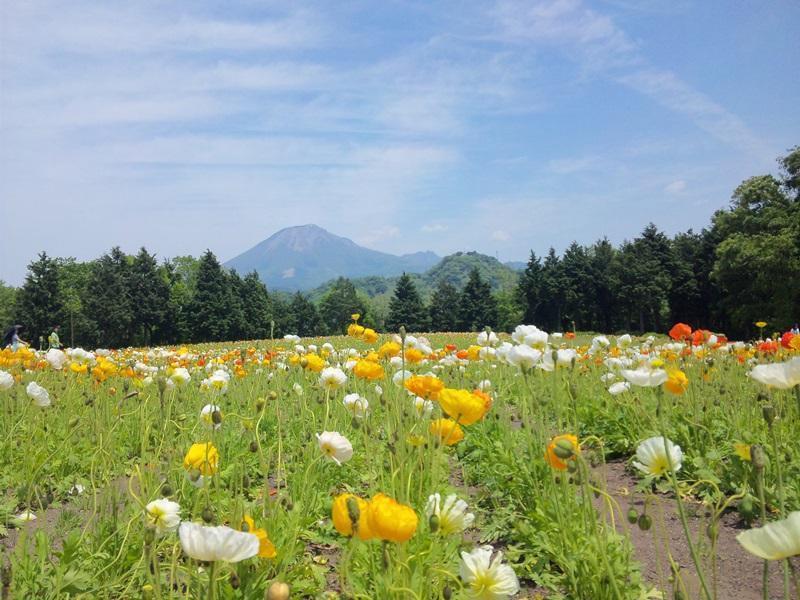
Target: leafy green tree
{"points": [[477, 306], [209, 316], [339, 304], [305, 319], [509, 310], [578, 290], [237, 327], [406, 308], [38, 302], [443, 309], [758, 256], [73, 281], [150, 294], [529, 290], [8, 298]]}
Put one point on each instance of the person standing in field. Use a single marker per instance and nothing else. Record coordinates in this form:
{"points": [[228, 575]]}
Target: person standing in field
{"points": [[12, 338], [53, 339]]}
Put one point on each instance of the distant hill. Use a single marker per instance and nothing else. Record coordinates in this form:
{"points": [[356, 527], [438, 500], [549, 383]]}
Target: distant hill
{"points": [[454, 269], [303, 257]]}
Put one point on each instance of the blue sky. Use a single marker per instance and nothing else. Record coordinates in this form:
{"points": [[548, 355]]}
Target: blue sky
{"points": [[501, 126]]}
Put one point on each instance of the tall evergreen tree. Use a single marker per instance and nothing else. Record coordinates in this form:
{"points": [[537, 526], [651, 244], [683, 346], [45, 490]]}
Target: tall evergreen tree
{"points": [[551, 308], [529, 289], [209, 316], [339, 304], [603, 284], [477, 305], [39, 304], [443, 309], [108, 299], [237, 327], [406, 308], [305, 319], [256, 306], [578, 289], [149, 297]]}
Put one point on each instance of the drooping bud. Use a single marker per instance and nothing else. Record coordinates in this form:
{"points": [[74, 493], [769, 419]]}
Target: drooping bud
{"points": [[149, 536], [353, 512], [758, 457], [260, 403], [234, 580], [254, 446], [278, 591], [645, 522], [216, 417], [633, 515], [166, 490], [433, 523], [447, 592], [207, 514], [564, 449], [768, 411]]}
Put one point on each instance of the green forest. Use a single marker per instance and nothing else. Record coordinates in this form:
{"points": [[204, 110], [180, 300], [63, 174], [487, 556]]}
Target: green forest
{"points": [[742, 267]]}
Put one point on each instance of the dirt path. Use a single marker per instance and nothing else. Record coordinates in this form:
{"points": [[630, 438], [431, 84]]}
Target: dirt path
{"points": [[738, 572]]}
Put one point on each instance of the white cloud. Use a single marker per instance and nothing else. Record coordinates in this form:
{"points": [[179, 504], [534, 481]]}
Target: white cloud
{"points": [[676, 187], [288, 273], [433, 228], [500, 235]]}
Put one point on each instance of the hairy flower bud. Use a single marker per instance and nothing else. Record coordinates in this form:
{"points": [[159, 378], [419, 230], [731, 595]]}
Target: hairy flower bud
{"points": [[433, 523], [564, 449], [278, 591], [758, 457], [353, 511], [769, 414]]}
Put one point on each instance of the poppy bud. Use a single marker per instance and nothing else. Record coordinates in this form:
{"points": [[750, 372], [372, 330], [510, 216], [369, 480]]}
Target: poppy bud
{"points": [[207, 514], [216, 417], [747, 509], [564, 449], [254, 446], [768, 411], [712, 531], [162, 384], [645, 522], [355, 423], [181, 417], [304, 362], [402, 332], [273, 395], [166, 490], [633, 515], [447, 592], [260, 404], [758, 457], [433, 523], [353, 511], [73, 421], [234, 580], [278, 591], [554, 356], [193, 475], [147, 591]]}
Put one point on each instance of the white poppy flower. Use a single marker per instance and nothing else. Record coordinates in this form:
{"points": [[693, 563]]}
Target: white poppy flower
{"points": [[335, 446], [38, 394], [217, 543], [332, 377], [56, 358], [619, 387], [356, 404], [782, 375], [655, 460], [774, 541], [6, 380], [453, 515], [523, 356], [645, 377], [164, 515], [486, 578]]}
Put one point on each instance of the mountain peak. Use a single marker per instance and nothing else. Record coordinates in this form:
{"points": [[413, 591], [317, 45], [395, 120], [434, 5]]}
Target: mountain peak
{"points": [[304, 256]]}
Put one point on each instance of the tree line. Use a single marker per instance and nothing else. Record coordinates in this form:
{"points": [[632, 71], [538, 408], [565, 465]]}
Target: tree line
{"points": [[743, 267]]}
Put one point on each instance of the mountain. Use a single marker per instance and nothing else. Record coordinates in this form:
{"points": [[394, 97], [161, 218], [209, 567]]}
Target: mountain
{"points": [[300, 258]]}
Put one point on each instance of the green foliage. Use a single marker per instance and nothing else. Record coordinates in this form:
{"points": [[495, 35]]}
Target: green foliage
{"points": [[209, 317], [444, 307], [38, 302], [305, 318]]}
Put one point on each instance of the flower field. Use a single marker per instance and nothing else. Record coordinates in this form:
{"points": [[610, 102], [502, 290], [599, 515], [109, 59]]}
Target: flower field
{"points": [[529, 465]]}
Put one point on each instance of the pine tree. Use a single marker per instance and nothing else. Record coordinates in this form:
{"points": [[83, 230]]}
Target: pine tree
{"points": [[529, 289], [406, 308], [305, 319], [39, 305], [108, 299], [149, 297], [209, 316], [550, 313], [339, 304], [256, 306], [444, 307], [477, 306]]}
